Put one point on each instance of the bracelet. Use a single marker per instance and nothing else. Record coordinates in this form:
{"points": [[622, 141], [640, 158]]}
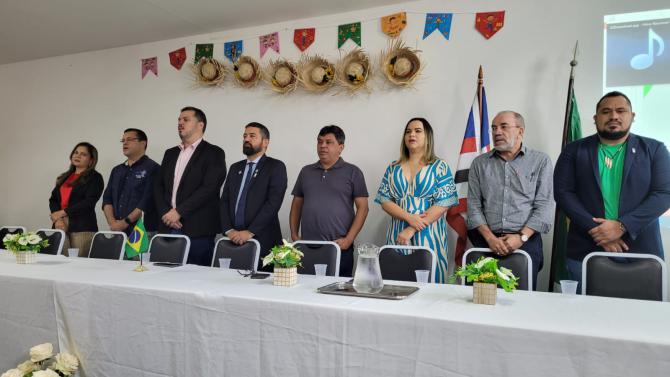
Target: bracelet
{"points": [[622, 227]]}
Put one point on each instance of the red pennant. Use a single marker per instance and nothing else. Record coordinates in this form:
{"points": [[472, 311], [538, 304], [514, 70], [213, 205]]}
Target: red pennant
{"points": [[178, 57], [303, 38], [488, 23]]}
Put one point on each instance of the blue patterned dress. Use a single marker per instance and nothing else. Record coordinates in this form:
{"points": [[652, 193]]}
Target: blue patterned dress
{"points": [[432, 185]]}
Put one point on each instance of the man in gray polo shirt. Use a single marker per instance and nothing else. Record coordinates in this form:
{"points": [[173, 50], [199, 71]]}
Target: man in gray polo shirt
{"points": [[324, 196], [510, 194]]}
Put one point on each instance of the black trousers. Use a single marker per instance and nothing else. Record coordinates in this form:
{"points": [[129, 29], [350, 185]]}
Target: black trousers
{"points": [[533, 247]]}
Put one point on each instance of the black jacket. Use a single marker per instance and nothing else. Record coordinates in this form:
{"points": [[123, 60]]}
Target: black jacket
{"points": [[81, 207], [198, 193]]}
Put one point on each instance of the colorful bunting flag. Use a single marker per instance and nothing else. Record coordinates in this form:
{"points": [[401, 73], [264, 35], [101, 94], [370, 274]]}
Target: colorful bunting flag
{"points": [[303, 38], [269, 41], [233, 50], [349, 31], [475, 142], [149, 64], [203, 51], [392, 25], [138, 240], [439, 21], [177, 58], [488, 23]]}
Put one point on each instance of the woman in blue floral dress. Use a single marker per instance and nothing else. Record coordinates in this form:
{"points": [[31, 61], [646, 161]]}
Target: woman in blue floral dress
{"points": [[416, 191]]}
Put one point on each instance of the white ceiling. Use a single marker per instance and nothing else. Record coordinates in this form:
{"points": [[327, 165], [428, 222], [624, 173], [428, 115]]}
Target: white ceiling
{"points": [[33, 29]]}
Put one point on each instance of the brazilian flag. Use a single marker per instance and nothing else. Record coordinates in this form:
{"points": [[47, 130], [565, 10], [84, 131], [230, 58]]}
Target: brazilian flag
{"points": [[138, 240]]}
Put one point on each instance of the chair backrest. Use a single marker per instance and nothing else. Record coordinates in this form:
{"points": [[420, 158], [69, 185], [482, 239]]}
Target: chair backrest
{"points": [[625, 275], [108, 245], [242, 257], [519, 262], [10, 229], [319, 252], [399, 262], [56, 239], [170, 248]]}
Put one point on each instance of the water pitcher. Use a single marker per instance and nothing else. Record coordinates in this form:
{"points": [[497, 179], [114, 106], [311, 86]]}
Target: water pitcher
{"points": [[368, 275]]}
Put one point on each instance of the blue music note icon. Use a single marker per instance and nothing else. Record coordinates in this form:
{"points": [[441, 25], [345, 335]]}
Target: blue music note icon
{"points": [[644, 61]]}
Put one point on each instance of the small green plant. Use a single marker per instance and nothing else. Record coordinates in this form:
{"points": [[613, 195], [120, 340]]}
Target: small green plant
{"points": [[24, 242], [486, 270], [284, 256]]}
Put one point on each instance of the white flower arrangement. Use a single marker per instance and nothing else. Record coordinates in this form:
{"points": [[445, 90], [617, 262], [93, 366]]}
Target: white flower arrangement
{"points": [[64, 364], [24, 242], [283, 256]]}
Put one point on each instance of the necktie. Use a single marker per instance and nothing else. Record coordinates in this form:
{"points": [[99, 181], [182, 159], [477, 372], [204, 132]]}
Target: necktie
{"points": [[239, 213]]}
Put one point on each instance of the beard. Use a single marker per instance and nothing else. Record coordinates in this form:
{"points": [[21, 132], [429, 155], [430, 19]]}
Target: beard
{"points": [[249, 149], [612, 135]]}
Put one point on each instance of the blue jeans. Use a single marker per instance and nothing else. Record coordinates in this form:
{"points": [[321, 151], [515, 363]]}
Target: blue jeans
{"points": [[575, 272]]}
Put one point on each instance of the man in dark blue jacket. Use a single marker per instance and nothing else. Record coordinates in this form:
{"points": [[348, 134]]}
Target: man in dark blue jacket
{"points": [[613, 186]]}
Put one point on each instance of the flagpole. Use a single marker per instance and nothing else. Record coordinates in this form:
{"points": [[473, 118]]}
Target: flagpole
{"points": [[566, 126], [480, 85]]}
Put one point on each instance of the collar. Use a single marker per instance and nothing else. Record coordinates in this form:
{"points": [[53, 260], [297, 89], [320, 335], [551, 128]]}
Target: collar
{"points": [[192, 146], [255, 161], [521, 152], [139, 160], [338, 164]]}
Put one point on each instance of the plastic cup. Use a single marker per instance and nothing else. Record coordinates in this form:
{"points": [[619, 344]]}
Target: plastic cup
{"points": [[224, 262], [145, 257], [569, 287], [73, 252], [320, 269], [422, 276]]}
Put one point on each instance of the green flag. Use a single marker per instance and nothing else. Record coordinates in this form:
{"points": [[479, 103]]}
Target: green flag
{"points": [[562, 225], [138, 241]]}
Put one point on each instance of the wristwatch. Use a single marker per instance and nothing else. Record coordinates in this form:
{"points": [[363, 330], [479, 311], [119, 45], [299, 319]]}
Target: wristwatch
{"points": [[524, 238], [127, 220]]}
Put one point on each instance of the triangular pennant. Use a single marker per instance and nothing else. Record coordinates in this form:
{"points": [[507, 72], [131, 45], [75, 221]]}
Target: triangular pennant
{"points": [[303, 38], [488, 23], [349, 31], [203, 51], [150, 64], [439, 21], [269, 41], [233, 50], [392, 25], [178, 57]]}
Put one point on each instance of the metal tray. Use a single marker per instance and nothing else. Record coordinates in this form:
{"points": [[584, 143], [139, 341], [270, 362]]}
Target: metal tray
{"points": [[389, 292]]}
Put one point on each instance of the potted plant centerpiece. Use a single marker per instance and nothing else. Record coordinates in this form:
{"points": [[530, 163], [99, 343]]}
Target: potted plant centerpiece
{"points": [[486, 276], [24, 246], [286, 259]]}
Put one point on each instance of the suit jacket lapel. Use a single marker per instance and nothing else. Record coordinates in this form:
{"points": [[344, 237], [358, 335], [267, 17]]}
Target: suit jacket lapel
{"points": [[257, 170], [196, 154], [593, 156], [630, 158]]}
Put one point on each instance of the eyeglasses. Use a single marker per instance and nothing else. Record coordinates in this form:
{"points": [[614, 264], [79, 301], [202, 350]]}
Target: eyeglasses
{"points": [[245, 273], [128, 140], [503, 127]]}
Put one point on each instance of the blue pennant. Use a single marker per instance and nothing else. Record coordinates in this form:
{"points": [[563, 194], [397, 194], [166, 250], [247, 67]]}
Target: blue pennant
{"points": [[440, 21], [232, 50]]}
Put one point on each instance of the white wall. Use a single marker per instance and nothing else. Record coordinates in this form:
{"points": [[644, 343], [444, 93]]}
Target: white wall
{"points": [[48, 105]]}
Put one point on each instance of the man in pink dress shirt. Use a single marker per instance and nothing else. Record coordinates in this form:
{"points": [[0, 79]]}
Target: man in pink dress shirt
{"points": [[187, 187]]}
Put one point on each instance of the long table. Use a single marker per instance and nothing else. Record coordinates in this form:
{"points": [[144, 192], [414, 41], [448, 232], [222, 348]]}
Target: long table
{"points": [[199, 321]]}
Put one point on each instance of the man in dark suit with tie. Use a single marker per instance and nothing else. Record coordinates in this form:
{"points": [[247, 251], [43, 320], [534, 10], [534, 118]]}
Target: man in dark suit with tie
{"points": [[253, 193], [187, 187], [613, 186]]}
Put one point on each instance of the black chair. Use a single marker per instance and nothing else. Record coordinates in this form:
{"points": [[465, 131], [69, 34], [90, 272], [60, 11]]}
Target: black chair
{"points": [[519, 262], [625, 275], [399, 262], [319, 252], [10, 229], [108, 245], [242, 257], [169, 248], [56, 239]]}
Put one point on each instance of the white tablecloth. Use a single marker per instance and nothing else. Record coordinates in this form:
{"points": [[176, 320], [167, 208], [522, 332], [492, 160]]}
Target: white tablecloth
{"points": [[198, 321]]}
